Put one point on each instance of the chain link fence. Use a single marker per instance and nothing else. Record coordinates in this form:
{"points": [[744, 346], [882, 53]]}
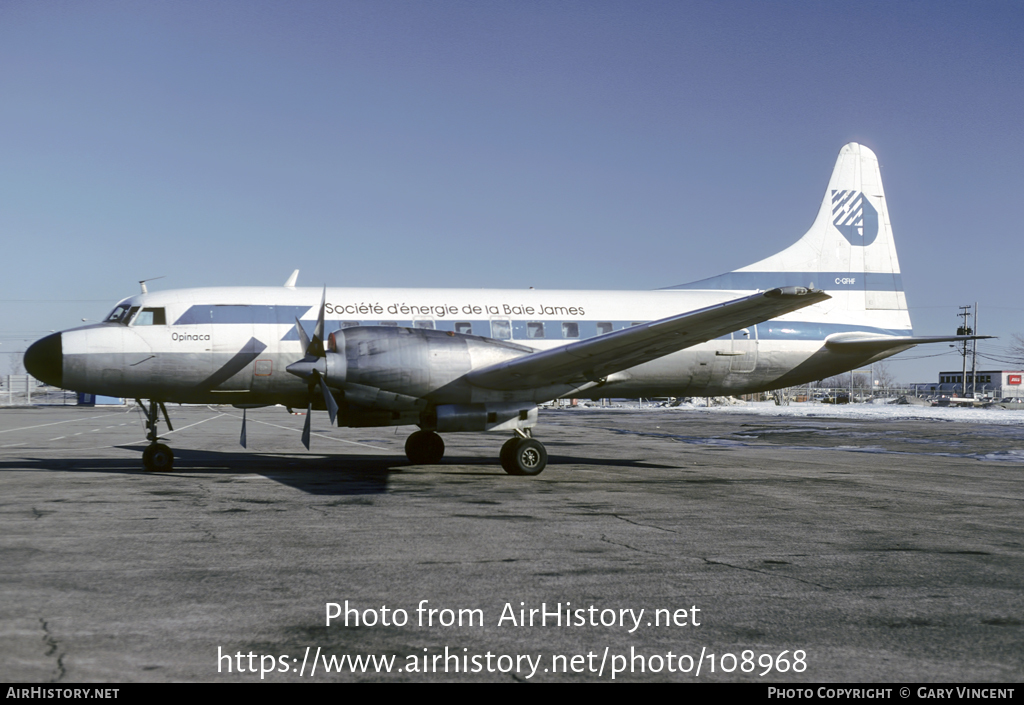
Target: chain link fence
{"points": [[26, 390]]}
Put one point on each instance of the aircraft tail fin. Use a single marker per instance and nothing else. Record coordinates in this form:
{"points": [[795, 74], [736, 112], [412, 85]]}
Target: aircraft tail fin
{"points": [[848, 252]]}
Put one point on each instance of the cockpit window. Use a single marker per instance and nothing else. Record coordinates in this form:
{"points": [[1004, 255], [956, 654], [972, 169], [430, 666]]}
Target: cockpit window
{"points": [[119, 315], [150, 317]]}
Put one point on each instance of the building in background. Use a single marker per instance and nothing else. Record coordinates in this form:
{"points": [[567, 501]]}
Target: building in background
{"points": [[989, 383]]}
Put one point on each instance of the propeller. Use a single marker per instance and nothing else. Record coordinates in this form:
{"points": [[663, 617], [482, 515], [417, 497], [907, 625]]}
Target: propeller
{"points": [[313, 368]]}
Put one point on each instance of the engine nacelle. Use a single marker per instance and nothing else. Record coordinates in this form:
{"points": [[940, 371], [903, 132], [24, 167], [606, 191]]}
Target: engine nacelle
{"points": [[453, 418], [411, 362]]}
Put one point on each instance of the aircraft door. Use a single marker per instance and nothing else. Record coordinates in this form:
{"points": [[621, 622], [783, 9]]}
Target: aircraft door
{"points": [[235, 349], [744, 342]]}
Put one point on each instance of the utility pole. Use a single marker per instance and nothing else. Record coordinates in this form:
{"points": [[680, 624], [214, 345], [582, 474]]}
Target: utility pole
{"points": [[965, 329], [974, 356]]}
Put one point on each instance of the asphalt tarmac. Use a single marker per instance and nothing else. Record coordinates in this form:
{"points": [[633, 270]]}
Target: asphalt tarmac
{"points": [[760, 549]]}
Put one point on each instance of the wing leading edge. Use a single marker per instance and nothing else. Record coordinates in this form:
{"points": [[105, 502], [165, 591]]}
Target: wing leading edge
{"points": [[593, 359]]}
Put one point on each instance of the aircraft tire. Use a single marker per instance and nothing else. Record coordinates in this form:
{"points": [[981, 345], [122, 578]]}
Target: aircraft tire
{"points": [[424, 448], [158, 458], [506, 455], [525, 456]]}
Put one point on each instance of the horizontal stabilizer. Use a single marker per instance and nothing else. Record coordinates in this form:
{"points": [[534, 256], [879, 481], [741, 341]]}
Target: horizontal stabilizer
{"points": [[593, 359], [873, 343]]}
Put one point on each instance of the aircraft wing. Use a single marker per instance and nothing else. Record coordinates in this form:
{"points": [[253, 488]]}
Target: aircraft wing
{"points": [[593, 359], [874, 343]]}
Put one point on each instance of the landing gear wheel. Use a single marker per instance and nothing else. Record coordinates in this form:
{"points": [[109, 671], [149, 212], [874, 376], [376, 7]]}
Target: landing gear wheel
{"points": [[158, 458], [424, 448], [524, 456], [506, 454]]}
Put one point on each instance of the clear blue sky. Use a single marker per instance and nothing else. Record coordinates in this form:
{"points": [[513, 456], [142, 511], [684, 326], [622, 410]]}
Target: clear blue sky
{"points": [[507, 144]]}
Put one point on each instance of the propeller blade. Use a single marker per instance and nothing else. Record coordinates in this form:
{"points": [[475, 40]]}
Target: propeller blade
{"points": [[242, 439], [307, 367], [332, 406], [303, 338], [316, 345], [305, 427]]}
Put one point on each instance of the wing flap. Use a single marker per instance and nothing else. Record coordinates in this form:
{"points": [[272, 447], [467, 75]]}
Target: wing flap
{"points": [[593, 359]]}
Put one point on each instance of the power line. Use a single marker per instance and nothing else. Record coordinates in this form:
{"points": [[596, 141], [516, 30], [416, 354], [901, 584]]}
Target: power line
{"points": [[922, 357]]}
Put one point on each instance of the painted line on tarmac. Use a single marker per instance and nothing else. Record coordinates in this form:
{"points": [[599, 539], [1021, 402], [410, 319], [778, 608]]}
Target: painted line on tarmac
{"points": [[314, 433], [57, 423], [212, 418], [119, 445]]}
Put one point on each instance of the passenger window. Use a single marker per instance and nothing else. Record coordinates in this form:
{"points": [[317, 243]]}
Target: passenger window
{"points": [[389, 324], [604, 327], [425, 323], [571, 330], [349, 324], [635, 323], [151, 317], [464, 327], [535, 329], [501, 329]]}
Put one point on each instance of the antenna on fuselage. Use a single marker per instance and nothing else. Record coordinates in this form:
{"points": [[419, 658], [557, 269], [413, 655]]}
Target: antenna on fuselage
{"points": [[142, 282]]}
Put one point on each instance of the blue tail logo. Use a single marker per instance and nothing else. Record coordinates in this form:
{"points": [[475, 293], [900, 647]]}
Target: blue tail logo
{"points": [[854, 217]]}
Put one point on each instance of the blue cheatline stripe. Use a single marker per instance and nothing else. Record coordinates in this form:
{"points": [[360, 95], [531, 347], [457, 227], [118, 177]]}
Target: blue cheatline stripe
{"points": [[241, 314], [555, 330], [826, 281], [807, 330], [521, 328]]}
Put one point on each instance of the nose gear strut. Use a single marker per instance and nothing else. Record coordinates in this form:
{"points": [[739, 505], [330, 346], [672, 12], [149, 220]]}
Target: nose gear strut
{"points": [[157, 457]]}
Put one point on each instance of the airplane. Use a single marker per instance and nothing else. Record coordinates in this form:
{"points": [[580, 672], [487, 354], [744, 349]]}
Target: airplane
{"points": [[462, 360]]}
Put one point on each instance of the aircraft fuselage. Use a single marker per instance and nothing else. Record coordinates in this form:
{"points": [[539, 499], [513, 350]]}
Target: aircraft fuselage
{"points": [[232, 345]]}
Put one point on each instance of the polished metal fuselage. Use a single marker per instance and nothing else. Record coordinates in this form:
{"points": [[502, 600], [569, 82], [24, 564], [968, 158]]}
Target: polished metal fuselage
{"points": [[232, 345]]}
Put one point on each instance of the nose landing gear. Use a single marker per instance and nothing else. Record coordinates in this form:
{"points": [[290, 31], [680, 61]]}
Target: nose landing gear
{"points": [[157, 457]]}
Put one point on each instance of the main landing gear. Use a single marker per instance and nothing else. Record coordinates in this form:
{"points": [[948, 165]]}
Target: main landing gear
{"points": [[521, 455], [157, 457], [424, 448]]}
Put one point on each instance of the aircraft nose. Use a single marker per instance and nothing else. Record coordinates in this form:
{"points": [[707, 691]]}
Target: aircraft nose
{"points": [[44, 360]]}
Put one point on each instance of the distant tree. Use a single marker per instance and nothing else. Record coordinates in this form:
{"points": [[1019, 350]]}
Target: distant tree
{"points": [[1017, 349], [843, 381], [884, 376], [837, 382]]}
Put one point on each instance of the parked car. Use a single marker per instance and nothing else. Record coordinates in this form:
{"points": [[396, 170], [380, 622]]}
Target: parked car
{"points": [[837, 398]]}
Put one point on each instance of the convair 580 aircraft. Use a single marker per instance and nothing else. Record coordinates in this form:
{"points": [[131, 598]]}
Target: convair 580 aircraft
{"points": [[452, 360]]}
